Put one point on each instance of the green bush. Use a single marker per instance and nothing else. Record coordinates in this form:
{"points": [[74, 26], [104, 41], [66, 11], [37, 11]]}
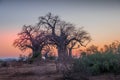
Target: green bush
{"points": [[94, 64], [97, 63]]}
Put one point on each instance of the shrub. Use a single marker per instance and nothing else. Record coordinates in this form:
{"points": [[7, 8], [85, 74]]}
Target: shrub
{"points": [[30, 60], [4, 64], [101, 63], [51, 57], [96, 64]]}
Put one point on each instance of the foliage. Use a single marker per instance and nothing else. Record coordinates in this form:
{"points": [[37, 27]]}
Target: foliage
{"points": [[62, 33], [31, 37], [51, 30], [97, 63]]}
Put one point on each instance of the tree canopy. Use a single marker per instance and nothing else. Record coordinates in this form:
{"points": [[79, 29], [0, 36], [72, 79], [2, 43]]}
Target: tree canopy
{"points": [[62, 33], [52, 30], [31, 37]]}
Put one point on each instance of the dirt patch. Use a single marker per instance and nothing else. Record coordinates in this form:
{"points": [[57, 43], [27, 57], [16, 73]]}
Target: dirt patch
{"points": [[105, 77], [46, 71], [19, 74]]}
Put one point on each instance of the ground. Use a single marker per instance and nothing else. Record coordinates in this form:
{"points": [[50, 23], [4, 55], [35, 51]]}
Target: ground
{"points": [[44, 71]]}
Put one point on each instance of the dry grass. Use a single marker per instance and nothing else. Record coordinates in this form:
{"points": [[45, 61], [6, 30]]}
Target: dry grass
{"points": [[105, 77], [44, 71]]}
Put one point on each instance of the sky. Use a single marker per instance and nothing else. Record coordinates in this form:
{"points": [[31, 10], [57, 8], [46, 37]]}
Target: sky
{"points": [[101, 18]]}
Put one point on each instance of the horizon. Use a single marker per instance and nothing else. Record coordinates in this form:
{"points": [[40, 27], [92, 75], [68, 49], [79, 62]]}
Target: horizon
{"points": [[99, 18]]}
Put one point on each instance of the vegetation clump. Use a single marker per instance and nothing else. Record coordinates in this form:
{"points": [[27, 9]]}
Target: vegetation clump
{"points": [[4, 64], [96, 63]]}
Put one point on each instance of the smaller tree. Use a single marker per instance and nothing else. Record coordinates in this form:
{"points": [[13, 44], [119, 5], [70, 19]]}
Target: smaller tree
{"points": [[31, 37], [92, 49], [48, 51], [114, 47], [72, 45]]}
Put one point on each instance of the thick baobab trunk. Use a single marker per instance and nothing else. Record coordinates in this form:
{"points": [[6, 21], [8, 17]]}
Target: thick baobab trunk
{"points": [[37, 52], [61, 63], [36, 57], [62, 53]]}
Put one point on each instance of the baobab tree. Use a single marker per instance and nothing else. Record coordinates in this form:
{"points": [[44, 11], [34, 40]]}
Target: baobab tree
{"points": [[72, 45], [54, 31], [62, 33], [31, 37]]}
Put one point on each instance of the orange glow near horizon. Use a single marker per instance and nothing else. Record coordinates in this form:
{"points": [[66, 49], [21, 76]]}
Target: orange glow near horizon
{"points": [[99, 18], [6, 46], [8, 50]]}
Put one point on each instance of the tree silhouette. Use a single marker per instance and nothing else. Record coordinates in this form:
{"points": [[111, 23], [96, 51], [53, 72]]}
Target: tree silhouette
{"points": [[92, 49], [31, 37], [51, 30], [62, 33], [72, 45], [114, 47]]}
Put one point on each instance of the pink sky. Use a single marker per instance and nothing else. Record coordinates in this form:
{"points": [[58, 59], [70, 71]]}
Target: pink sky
{"points": [[100, 18]]}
